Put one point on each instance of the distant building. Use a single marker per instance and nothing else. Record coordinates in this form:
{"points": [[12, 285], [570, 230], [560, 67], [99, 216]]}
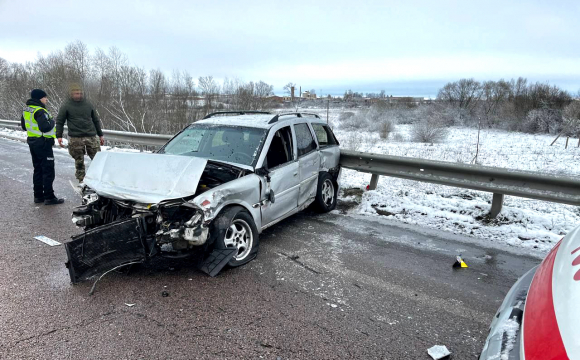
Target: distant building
{"points": [[277, 99], [308, 95]]}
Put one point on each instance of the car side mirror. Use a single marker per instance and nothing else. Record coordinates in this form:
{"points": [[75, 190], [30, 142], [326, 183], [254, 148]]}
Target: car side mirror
{"points": [[271, 196], [262, 171]]}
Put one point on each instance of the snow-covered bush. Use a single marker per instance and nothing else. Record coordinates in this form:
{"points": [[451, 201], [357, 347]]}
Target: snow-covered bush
{"points": [[345, 116], [386, 126], [397, 137], [378, 119], [352, 141], [542, 121], [355, 122], [358, 141], [429, 130], [571, 115]]}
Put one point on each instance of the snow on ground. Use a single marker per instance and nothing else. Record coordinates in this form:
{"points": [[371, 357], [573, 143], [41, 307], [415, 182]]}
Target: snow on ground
{"points": [[12, 133], [531, 224]]}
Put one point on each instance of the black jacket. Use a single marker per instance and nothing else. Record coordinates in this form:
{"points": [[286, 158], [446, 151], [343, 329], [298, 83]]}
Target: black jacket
{"points": [[45, 124]]}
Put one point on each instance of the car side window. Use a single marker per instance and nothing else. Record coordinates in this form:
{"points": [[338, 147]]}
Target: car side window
{"points": [[281, 149], [304, 139], [324, 135]]}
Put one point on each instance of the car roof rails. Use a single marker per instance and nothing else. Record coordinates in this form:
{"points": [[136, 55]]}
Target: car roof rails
{"points": [[298, 114], [241, 112]]}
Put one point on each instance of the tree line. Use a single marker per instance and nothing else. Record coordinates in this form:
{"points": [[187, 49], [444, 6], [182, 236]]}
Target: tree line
{"points": [[127, 97], [514, 105]]}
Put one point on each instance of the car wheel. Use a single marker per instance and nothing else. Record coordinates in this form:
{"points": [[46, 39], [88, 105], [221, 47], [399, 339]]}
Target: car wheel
{"points": [[236, 229], [326, 193]]}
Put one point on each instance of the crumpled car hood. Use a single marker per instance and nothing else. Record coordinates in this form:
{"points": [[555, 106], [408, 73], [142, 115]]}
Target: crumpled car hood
{"points": [[144, 178]]}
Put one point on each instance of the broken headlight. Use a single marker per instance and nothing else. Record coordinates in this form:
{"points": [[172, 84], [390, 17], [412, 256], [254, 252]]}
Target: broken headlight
{"points": [[89, 196], [181, 226]]}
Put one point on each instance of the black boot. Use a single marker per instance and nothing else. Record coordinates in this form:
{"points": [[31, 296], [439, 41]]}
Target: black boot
{"points": [[53, 201], [38, 200]]}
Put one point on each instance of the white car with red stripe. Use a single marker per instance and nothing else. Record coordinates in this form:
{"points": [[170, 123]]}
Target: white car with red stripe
{"points": [[539, 318]]}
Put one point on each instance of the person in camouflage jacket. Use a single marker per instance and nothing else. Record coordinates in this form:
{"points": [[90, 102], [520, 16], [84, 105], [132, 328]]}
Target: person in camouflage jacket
{"points": [[83, 128]]}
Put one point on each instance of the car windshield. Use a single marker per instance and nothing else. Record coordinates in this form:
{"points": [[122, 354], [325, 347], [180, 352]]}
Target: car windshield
{"points": [[234, 144]]}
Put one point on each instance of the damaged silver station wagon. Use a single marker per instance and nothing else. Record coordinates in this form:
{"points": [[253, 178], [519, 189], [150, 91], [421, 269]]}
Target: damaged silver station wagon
{"points": [[206, 194]]}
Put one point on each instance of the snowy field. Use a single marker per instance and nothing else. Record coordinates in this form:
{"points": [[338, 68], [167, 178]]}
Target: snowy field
{"points": [[531, 225]]}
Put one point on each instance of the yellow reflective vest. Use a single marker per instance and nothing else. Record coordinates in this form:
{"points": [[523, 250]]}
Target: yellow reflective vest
{"points": [[31, 124]]}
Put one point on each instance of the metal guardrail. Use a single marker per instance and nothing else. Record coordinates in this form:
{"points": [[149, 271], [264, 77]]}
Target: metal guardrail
{"points": [[136, 138], [10, 124], [499, 181], [113, 135]]}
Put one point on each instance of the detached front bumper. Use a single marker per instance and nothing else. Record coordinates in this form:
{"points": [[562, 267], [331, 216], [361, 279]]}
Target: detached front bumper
{"points": [[504, 339], [109, 246]]}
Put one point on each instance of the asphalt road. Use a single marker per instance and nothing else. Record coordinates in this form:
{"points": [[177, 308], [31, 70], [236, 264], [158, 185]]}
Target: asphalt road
{"points": [[323, 287]]}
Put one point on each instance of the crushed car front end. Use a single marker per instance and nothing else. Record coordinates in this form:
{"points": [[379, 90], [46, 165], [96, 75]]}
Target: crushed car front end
{"points": [[130, 215]]}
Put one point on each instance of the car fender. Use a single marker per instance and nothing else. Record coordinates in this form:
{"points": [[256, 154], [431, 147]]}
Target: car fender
{"points": [[244, 191]]}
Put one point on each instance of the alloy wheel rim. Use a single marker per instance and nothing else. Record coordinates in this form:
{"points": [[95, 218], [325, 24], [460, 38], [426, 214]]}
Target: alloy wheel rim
{"points": [[239, 235], [327, 192]]}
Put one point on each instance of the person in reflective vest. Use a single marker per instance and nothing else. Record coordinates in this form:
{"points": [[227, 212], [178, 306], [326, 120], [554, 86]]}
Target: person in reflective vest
{"points": [[40, 128]]}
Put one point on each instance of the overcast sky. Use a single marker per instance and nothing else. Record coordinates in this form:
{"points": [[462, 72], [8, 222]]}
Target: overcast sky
{"points": [[403, 47]]}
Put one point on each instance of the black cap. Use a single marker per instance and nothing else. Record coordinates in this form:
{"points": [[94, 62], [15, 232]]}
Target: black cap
{"points": [[37, 94]]}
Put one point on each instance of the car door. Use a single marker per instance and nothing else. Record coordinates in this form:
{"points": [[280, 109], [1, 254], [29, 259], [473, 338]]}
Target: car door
{"points": [[283, 170], [327, 146], [308, 161]]}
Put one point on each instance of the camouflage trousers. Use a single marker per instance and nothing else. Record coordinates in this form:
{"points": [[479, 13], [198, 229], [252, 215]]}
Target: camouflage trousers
{"points": [[78, 147]]}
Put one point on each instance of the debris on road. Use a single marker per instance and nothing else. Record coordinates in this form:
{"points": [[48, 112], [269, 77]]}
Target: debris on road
{"points": [[47, 241], [130, 305], [459, 263], [77, 188], [164, 294], [438, 352]]}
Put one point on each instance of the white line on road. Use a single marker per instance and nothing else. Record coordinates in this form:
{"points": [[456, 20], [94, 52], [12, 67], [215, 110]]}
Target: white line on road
{"points": [[47, 241]]}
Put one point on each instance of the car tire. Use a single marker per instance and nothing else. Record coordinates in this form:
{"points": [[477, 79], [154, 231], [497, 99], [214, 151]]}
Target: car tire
{"points": [[326, 193], [235, 227]]}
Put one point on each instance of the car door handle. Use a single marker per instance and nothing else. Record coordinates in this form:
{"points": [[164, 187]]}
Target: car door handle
{"points": [[295, 174]]}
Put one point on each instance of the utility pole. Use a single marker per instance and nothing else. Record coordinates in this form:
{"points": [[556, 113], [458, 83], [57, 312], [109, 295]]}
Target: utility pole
{"points": [[327, 109]]}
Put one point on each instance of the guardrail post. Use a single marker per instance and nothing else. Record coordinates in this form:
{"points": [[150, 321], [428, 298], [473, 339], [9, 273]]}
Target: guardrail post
{"points": [[374, 182], [496, 205]]}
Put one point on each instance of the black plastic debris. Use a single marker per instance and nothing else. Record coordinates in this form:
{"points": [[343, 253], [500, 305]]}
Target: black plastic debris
{"points": [[164, 294], [216, 261]]}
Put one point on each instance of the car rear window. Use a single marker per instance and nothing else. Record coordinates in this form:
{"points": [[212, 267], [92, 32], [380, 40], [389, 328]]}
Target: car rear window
{"points": [[324, 135]]}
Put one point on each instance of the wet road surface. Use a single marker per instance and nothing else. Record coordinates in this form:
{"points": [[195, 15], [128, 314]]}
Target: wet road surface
{"points": [[323, 287]]}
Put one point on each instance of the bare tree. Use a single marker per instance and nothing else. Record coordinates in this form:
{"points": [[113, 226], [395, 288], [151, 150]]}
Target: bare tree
{"points": [[464, 93], [210, 90], [77, 58], [261, 93]]}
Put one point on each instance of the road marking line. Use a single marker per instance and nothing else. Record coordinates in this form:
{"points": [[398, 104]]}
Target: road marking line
{"points": [[47, 241]]}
